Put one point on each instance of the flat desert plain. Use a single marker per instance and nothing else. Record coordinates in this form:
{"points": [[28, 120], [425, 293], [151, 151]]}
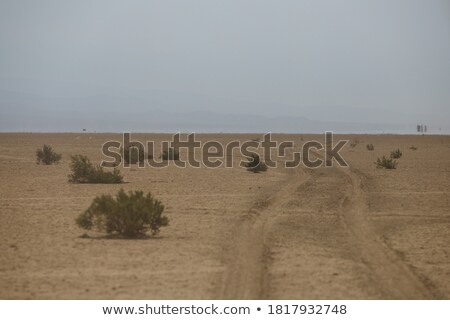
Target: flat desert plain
{"points": [[328, 233]]}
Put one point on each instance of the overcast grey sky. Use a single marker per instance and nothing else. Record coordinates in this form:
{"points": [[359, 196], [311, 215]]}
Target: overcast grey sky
{"points": [[350, 60]]}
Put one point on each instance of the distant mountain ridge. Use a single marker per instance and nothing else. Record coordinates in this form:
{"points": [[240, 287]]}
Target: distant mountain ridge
{"points": [[31, 112]]}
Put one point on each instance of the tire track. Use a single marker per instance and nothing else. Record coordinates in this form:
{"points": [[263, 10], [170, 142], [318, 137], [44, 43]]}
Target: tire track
{"points": [[249, 259], [247, 262], [389, 273]]}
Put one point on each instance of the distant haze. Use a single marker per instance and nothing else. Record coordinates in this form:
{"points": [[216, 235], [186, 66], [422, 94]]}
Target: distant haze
{"points": [[225, 65]]}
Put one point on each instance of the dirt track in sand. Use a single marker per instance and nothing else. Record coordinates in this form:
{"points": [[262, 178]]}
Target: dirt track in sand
{"points": [[328, 233], [249, 262], [246, 269]]}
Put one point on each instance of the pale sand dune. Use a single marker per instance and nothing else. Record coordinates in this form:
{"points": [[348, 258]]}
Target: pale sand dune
{"points": [[328, 233]]}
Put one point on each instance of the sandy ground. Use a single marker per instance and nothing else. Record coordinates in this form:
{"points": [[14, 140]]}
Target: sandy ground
{"points": [[328, 233]]}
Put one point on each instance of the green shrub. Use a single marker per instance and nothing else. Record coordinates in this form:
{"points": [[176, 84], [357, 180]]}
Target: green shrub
{"points": [[370, 147], [46, 155], [387, 163], [170, 154], [255, 164], [134, 153], [128, 214], [83, 171], [396, 154]]}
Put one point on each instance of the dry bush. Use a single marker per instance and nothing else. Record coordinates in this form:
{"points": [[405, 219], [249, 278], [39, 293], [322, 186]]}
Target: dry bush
{"points": [[134, 153], [370, 147], [396, 154], [83, 171], [46, 155], [387, 163], [128, 214], [354, 143], [255, 164]]}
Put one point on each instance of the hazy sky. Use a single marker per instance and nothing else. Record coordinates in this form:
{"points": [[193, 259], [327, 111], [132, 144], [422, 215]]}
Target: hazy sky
{"points": [[331, 60]]}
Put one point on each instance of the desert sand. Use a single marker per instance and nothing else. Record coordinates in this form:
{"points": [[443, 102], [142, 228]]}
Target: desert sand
{"points": [[328, 233]]}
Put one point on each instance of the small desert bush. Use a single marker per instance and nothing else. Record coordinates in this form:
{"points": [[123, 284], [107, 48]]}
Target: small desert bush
{"points": [[387, 163], [354, 143], [414, 148], [134, 153], [370, 147], [255, 164], [396, 154], [83, 171], [46, 155], [170, 154], [128, 214]]}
